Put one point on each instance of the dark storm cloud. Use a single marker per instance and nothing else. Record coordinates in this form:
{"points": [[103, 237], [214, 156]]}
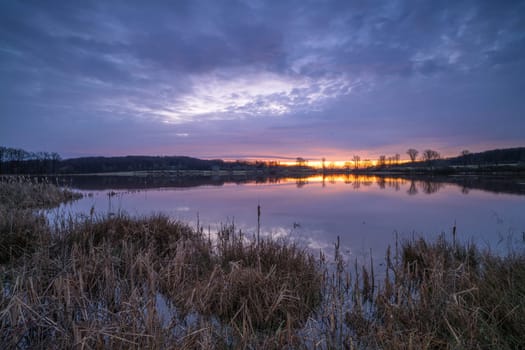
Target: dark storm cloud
{"points": [[346, 74]]}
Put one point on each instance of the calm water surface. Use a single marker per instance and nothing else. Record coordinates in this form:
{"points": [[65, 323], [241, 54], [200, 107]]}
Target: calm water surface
{"points": [[366, 212]]}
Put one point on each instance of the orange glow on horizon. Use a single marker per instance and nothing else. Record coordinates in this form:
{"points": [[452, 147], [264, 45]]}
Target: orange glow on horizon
{"points": [[328, 164], [341, 179]]}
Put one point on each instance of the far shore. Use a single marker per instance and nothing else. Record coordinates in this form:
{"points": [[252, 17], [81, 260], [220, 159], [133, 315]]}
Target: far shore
{"points": [[497, 182]]}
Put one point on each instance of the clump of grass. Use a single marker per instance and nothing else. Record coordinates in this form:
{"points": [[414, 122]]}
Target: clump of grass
{"points": [[21, 232], [21, 228], [445, 295], [22, 192], [97, 282], [265, 286]]}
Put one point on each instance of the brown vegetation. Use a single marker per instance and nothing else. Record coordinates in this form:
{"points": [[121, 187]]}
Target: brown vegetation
{"points": [[21, 229], [98, 282], [121, 282], [18, 192], [444, 296]]}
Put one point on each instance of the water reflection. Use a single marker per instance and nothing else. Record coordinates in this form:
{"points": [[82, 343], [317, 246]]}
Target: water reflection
{"points": [[430, 187], [411, 185], [413, 189], [367, 212]]}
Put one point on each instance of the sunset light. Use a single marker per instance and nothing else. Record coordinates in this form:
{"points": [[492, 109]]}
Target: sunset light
{"points": [[249, 174], [255, 79]]}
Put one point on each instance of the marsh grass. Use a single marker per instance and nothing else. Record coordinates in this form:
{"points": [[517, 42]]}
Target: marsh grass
{"points": [[95, 282], [21, 228], [442, 295], [125, 282], [22, 192], [265, 286]]}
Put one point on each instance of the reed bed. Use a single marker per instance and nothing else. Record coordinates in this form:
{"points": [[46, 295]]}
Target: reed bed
{"points": [[442, 295], [22, 192], [97, 282], [123, 282], [21, 228]]}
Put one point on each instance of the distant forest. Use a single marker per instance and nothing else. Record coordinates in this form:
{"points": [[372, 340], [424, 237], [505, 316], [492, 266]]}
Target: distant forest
{"points": [[494, 157], [19, 161]]}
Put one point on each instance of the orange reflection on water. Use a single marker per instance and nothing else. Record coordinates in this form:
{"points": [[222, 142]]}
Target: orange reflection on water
{"points": [[334, 179]]}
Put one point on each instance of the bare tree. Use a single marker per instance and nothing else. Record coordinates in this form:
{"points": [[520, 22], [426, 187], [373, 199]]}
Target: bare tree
{"points": [[397, 157], [429, 155], [356, 159], [412, 153], [300, 162], [382, 161]]}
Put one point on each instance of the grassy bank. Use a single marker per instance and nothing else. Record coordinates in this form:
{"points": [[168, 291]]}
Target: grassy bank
{"points": [[18, 192], [126, 282], [22, 229]]}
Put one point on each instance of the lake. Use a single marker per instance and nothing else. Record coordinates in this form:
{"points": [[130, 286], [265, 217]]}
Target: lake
{"points": [[368, 213]]}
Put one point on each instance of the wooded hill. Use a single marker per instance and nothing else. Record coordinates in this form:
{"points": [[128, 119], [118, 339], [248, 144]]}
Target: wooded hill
{"points": [[510, 159], [507, 156], [16, 161]]}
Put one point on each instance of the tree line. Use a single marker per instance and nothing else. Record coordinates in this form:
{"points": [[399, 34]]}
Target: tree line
{"points": [[430, 158], [17, 161]]}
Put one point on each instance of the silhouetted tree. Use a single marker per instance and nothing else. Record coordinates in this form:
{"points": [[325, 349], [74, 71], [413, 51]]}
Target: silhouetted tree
{"points": [[356, 159], [430, 155], [412, 153], [397, 157], [300, 161], [382, 161]]}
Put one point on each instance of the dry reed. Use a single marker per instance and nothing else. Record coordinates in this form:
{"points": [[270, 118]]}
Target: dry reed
{"points": [[96, 283], [132, 283]]}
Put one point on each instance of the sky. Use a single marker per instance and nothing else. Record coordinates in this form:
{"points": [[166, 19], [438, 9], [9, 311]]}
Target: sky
{"points": [[262, 79]]}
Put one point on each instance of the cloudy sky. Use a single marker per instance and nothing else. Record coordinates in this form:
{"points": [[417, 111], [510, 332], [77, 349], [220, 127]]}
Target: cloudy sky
{"points": [[247, 78]]}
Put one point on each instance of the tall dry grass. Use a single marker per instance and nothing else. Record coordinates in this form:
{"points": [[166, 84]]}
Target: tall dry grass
{"points": [[21, 228], [441, 295], [124, 282], [22, 192], [98, 285]]}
